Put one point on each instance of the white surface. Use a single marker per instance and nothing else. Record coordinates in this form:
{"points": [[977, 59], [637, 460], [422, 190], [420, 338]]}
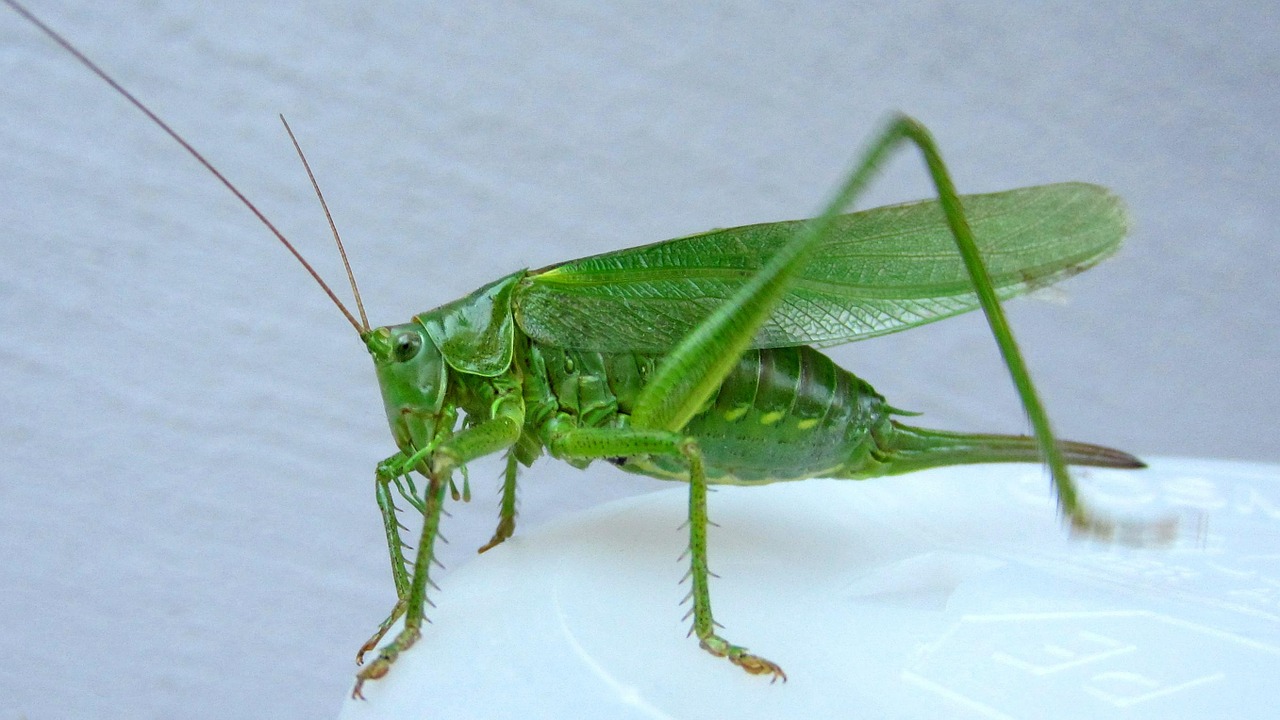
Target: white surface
{"points": [[190, 430], [946, 594]]}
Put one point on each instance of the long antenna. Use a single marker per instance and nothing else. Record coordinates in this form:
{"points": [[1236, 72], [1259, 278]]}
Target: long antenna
{"points": [[351, 277], [93, 67]]}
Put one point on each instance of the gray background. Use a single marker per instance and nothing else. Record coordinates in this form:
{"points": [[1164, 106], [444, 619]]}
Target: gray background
{"points": [[190, 428]]}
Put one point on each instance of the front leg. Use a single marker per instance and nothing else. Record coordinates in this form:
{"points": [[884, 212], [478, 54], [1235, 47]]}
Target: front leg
{"points": [[417, 595], [391, 470], [499, 432]]}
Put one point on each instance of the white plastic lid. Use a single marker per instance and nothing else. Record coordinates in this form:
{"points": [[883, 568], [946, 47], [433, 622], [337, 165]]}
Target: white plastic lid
{"points": [[952, 593]]}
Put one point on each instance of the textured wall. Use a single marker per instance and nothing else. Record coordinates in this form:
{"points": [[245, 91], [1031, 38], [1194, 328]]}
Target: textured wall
{"points": [[190, 429]]}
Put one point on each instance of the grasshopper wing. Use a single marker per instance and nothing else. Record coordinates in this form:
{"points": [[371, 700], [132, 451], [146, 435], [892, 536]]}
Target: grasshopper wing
{"points": [[879, 271]]}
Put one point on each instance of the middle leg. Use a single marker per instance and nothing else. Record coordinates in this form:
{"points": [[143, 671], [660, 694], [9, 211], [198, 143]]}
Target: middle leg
{"points": [[585, 443]]}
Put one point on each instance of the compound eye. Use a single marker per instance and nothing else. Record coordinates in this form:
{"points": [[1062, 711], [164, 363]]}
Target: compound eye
{"points": [[406, 347]]}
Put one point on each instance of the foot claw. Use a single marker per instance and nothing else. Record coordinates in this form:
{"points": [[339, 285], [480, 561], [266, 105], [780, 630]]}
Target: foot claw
{"points": [[739, 656], [378, 668], [757, 665], [1161, 532], [506, 528]]}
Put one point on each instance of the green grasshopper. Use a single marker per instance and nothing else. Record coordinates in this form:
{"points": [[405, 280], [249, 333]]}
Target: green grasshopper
{"points": [[693, 360]]}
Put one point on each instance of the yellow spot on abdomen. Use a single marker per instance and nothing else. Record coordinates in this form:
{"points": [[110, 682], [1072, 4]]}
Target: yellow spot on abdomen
{"points": [[736, 413], [807, 423], [770, 418]]}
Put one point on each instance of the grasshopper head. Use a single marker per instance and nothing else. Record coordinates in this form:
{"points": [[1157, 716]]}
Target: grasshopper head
{"points": [[413, 377]]}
